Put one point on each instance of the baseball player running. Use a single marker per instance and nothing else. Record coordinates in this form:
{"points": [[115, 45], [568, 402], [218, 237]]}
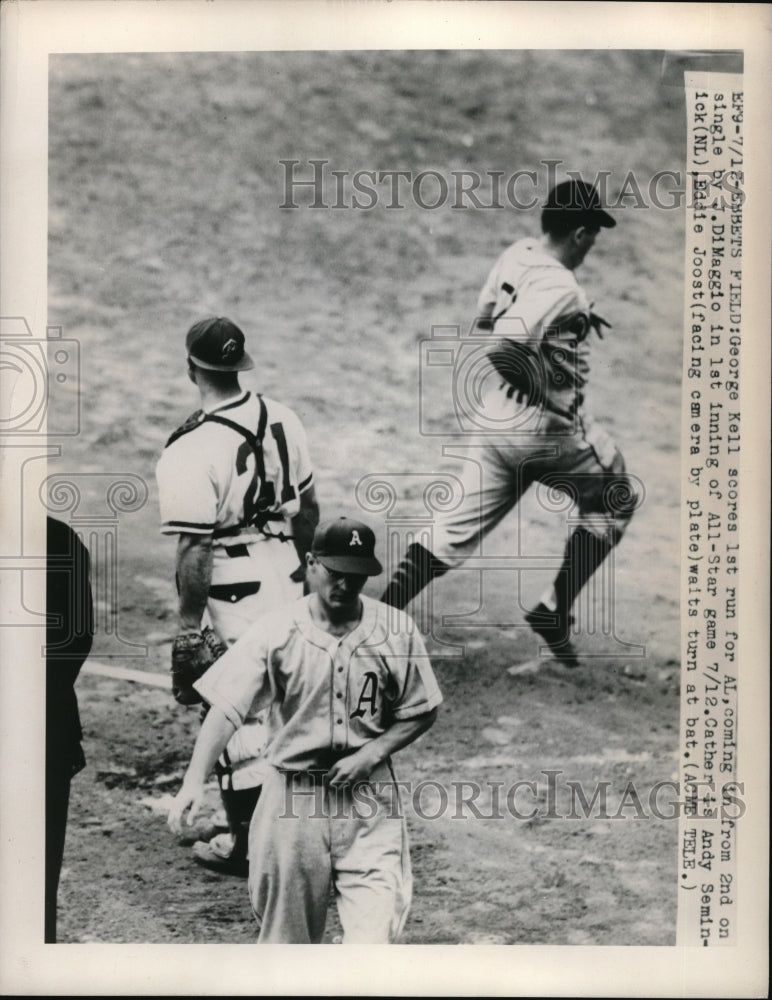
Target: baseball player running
{"points": [[534, 301], [343, 693], [236, 487]]}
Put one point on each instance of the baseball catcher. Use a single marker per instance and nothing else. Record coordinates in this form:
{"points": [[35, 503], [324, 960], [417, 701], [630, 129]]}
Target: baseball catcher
{"points": [[235, 487]]}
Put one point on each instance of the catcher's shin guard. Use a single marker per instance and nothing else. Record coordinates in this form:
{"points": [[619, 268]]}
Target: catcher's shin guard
{"points": [[417, 569], [239, 805]]}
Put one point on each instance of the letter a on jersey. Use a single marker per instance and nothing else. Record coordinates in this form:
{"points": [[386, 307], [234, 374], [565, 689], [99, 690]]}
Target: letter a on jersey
{"points": [[367, 696]]}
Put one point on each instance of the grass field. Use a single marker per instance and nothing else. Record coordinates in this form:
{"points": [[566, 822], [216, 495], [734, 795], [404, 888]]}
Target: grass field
{"points": [[164, 191]]}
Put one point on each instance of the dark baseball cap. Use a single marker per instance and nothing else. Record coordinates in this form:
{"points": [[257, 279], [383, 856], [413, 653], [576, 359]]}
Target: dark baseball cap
{"points": [[346, 546], [217, 344], [581, 200]]}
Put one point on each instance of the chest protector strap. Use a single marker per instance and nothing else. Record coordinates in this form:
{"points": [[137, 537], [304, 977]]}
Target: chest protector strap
{"points": [[258, 513]]}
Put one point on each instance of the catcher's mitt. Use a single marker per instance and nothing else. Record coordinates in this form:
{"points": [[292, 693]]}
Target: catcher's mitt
{"points": [[192, 655]]}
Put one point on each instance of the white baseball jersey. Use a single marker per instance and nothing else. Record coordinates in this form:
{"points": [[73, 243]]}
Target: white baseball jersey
{"points": [[208, 480], [326, 697], [535, 299], [532, 296], [213, 480]]}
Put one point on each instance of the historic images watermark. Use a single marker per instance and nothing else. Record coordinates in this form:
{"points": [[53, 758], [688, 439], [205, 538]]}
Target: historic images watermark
{"points": [[31, 367], [547, 796], [317, 184], [41, 409]]}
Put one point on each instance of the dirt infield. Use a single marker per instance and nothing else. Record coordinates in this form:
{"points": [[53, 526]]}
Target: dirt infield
{"points": [[164, 192]]}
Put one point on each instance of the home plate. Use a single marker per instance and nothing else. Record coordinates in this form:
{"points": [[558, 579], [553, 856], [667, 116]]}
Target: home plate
{"points": [[158, 803], [532, 667]]}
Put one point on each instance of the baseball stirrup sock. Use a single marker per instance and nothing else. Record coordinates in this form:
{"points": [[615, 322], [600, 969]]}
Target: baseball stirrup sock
{"points": [[417, 569], [584, 554]]}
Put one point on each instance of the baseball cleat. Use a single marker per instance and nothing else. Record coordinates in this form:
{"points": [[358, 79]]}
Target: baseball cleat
{"points": [[553, 629], [218, 855]]}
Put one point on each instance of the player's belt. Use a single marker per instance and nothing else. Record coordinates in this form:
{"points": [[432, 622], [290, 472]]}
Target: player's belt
{"points": [[249, 529], [323, 760], [315, 776], [233, 592]]}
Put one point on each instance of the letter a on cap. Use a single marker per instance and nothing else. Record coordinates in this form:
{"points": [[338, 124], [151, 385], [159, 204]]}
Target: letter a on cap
{"points": [[355, 539]]}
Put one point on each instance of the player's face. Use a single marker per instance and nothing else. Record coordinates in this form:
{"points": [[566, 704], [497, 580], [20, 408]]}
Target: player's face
{"points": [[338, 592]]}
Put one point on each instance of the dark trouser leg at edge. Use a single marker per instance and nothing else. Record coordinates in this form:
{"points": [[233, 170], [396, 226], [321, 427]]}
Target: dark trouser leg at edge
{"points": [[584, 554], [417, 569], [57, 804]]}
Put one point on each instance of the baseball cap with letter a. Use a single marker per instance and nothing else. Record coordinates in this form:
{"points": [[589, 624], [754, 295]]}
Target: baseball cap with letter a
{"points": [[217, 344], [346, 546]]}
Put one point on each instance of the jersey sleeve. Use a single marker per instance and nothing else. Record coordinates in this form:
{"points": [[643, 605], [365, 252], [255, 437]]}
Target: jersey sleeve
{"points": [[419, 691], [571, 303], [490, 292], [239, 683], [539, 312], [300, 458], [187, 495]]}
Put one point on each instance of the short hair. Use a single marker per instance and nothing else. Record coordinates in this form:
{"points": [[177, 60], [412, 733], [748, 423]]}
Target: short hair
{"points": [[223, 379]]}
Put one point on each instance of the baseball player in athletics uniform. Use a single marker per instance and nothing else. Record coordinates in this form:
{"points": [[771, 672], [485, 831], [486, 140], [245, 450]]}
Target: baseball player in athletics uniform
{"points": [[235, 485], [541, 319], [344, 691]]}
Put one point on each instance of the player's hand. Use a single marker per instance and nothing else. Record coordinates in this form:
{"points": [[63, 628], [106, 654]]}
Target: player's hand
{"points": [[191, 796], [597, 323], [350, 770]]}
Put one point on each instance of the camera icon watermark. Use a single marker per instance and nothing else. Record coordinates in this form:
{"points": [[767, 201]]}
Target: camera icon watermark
{"points": [[496, 383], [31, 369]]}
